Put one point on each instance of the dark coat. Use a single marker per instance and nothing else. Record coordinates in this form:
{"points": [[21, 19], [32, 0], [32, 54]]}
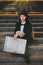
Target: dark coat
{"points": [[27, 30]]}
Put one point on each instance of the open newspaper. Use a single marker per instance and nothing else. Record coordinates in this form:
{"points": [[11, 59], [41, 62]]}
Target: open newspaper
{"points": [[15, 46]]}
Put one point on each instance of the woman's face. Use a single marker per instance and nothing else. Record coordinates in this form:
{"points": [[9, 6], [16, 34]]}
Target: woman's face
{"points": [[22, 18]]}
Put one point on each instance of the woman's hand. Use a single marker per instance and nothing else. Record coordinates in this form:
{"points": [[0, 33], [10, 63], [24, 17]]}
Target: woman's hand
{"points": [[15, 37], [21, 34], [18, 33]]}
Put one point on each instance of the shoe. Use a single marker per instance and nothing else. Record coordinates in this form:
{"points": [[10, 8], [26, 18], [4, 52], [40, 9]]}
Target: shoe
{"points": [[27, 61]]}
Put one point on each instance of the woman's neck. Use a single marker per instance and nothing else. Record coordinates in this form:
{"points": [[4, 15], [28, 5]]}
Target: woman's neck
{"points": [[23, 22]]}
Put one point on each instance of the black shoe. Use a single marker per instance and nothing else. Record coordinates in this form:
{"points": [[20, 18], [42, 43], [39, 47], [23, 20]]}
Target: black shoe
{"points": [[27, 61]]}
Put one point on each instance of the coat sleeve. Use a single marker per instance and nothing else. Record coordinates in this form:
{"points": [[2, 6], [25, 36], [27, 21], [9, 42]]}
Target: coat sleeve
{"points": [[28, 29], [16, 28]]}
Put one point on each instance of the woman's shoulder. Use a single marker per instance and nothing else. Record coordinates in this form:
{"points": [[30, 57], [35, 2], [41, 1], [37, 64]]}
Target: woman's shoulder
{"points": [[28, 23], [18, 23]]}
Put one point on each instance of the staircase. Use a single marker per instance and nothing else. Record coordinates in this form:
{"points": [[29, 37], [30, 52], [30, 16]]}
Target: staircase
{"points": [[8, 7], [7, 27]]}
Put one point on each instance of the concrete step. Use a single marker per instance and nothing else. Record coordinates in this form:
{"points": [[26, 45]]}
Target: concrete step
{"points": [[32, 19], [38, 29], [35, 41], [12, 4], [7, 24], [10, 33], [21, 64], [36, 17], [32, 27], [12, 60], [12, 64], [8, 17], [37, 25], [33, 51], [38, 35], [8, 20], [7, 29], [9, 10], [16, 64], [4, 34], [10, 7], [40, 20], [2, 41], [7, 4], [14, 22], [38, 38], [20, 60]]}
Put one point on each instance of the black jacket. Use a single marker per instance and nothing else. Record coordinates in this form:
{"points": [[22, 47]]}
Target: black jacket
{"points": [[27, 30]]}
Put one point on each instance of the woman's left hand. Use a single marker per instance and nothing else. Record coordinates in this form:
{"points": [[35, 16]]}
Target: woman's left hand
{"points": [[21, 33]]}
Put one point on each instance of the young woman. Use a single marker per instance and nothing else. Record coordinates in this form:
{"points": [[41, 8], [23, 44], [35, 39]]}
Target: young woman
{"points": [[23, 30]]}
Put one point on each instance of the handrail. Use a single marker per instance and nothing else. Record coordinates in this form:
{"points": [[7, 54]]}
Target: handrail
{"points": [[8, 14], [21, 0], [15, 14]]}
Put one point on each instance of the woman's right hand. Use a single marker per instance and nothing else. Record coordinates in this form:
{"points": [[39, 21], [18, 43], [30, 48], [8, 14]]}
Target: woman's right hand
{"points": [[15, 37]]}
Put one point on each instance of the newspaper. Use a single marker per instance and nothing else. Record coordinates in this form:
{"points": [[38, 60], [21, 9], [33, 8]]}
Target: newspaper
{"points": [[15, 46]]}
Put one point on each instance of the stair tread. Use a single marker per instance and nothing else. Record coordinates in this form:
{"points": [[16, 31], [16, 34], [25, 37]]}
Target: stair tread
{"points": [[7, 27], [4, 33], [37, 48], [38, 38], [37, 27], [19, 60]]}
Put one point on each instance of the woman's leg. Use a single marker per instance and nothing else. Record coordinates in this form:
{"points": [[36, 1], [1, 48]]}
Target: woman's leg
{"points": [[26, 56]]}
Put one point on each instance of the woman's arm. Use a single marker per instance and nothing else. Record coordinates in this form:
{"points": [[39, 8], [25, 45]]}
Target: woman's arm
{"points": [[16, 31], [16, 28], [28, 29]]}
